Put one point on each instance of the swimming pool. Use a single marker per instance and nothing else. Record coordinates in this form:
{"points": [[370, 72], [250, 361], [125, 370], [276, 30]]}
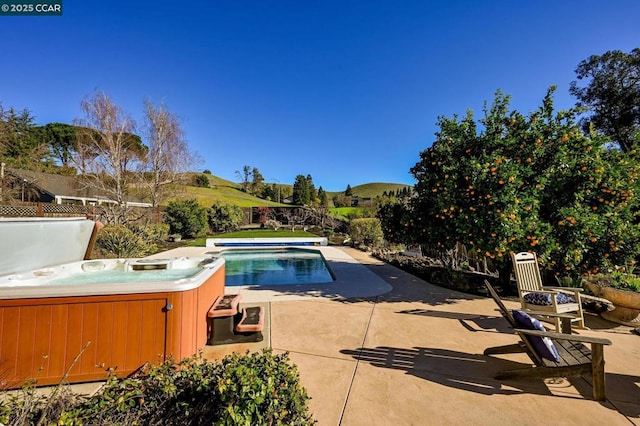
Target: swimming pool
{"points": [[284, 266]]}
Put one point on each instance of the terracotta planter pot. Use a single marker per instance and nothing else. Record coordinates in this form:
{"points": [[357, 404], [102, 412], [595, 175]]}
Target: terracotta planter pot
{"points": [[627, 304]]}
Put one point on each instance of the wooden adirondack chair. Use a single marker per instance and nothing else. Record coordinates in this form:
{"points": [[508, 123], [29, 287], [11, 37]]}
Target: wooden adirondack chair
{"points": [[542, 301], [576, 359]]}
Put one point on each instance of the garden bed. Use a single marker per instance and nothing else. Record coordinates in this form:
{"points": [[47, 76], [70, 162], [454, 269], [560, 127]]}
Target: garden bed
{"points": [[434, 272], [471, 282]]}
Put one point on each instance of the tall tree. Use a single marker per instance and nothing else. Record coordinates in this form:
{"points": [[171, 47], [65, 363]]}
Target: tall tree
{"points": [[5, 133], [245, 177], [348, 192], [270, 192], [322, 197], [19, 144], [62, 141], [311, 188], [301, 191], [257, 182], [168, 154], [514, 183], [612, 95], [108, 151]]}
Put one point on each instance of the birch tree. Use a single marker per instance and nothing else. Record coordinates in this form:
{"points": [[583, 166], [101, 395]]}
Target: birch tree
{"points": [[109, 153], [168, 154]]}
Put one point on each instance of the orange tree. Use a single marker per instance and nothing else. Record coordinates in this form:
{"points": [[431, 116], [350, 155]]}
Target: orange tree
{"points": [[514, 182], [395, 218]]}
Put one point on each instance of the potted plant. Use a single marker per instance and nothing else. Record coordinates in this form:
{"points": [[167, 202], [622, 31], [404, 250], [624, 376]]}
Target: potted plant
{"points": [[622, 288]]}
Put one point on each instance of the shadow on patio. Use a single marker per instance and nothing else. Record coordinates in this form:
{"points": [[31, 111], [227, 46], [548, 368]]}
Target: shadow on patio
{"points": [[488, 324], [474, 373]]}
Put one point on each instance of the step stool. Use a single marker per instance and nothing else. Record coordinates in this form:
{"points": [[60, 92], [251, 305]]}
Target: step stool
{"points": [[229, 324]]}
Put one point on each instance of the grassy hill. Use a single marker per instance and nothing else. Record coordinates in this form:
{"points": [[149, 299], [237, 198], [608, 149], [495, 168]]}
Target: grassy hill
{"points": [[218, 181], [373, 189], [227, 192], [225, 195], [222, 191]]}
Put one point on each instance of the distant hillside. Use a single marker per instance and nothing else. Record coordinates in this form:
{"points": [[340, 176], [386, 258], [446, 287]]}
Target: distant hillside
{"points": [[227, 192], [225, 195], [222, 191], [373, 190]]}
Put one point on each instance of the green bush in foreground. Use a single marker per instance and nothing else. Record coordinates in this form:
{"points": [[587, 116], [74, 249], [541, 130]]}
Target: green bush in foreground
{"points": [[252, 389]]}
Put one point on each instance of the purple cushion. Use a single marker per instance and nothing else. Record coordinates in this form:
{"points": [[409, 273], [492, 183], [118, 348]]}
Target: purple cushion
{"points": [[543, 345], [544, 299]]}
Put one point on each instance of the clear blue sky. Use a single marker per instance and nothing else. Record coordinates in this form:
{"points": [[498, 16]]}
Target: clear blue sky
{"points": [[347, 91]]}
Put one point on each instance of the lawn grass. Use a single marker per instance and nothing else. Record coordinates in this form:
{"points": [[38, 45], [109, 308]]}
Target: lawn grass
{"points": [[253, 233], [345, 212]]}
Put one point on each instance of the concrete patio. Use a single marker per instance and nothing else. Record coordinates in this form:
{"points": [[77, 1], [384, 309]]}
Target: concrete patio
{"points": [[410, 353]]}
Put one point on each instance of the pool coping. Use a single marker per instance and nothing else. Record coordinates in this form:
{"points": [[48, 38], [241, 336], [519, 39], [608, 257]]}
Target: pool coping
{"points": [[266, 242]]}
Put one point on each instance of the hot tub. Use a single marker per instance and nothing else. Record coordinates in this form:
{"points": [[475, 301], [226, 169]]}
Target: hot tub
{"points": [[124, 311]]}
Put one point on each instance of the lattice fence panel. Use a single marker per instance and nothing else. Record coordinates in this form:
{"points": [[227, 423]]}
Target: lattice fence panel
{"points": [[18, 211], [47, 210], [135, 215]]}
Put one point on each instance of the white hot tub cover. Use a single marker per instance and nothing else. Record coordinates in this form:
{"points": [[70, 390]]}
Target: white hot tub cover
{"points": [[31, 243]]}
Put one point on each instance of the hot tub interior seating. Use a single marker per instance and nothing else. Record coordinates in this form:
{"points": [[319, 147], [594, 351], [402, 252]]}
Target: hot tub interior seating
{"points": [[229, 324]]}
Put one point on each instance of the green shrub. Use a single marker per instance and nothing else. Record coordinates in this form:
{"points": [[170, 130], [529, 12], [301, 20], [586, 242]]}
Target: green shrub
{"points": [[120, 241], [201, 181], [225, 217], [367, 231], [394, 219], [624, 278], [355, 213], [261, 389], [153, 233], [186, 217], [617, 278], [257, 389]]}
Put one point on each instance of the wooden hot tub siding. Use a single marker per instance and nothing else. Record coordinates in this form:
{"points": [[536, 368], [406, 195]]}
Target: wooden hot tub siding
{"points": [[39, 338]]}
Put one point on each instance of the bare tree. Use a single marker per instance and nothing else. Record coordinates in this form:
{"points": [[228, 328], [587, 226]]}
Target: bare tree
{"points": [[297, 216], [322, 218], [245, 177], [109, 153], [168, 153]]}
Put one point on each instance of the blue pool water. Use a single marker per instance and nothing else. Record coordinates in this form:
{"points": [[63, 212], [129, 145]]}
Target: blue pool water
{"points": [[275, 267]]}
